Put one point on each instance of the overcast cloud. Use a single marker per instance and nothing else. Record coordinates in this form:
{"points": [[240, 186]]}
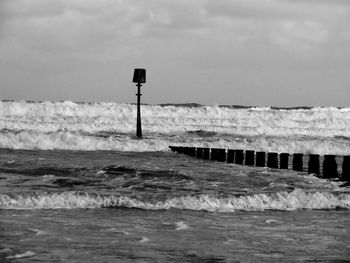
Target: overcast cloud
{"points": [[251, 52]]}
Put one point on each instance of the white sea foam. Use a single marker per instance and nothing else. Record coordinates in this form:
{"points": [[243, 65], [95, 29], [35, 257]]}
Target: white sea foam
{"points": [[271, 221], [38, 232], [108, 126], [144, 239], [23, 255], [181, 226], [297, 199]]}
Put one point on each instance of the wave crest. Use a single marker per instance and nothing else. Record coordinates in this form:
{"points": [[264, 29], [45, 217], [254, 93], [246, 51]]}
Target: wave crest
{"points": [[111, 126], [297, 199]]}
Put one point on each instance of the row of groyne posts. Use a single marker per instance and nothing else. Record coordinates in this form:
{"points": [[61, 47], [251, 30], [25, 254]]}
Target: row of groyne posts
{"points": [[273, 160]]}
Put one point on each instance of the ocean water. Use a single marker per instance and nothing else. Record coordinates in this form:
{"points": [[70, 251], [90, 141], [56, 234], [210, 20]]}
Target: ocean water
{"points": [[76, 185]]}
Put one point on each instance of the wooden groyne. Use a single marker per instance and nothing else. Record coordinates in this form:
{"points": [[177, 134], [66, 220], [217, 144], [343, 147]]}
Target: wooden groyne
{"points": [[297, 161]]}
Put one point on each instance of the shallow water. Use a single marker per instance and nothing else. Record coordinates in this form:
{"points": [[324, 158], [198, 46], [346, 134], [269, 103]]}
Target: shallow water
{"points": [[99, 206], [133, 235]]}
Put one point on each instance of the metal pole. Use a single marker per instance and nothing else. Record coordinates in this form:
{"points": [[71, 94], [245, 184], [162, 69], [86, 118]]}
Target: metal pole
{"points": [[138, 125]]}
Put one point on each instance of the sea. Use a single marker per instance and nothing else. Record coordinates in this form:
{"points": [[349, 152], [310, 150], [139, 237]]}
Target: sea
{"points": [[77, 185]]}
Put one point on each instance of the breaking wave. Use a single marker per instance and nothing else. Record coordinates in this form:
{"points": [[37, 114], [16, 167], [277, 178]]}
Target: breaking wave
{"points": [[297, 199], [111, 126], [62, 140]]}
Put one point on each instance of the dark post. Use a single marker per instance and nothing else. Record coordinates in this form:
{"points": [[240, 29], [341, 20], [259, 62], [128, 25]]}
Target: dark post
{"points": [[192, 151], [214, 154], [221, 155], [330, 167], [284, 160], [199, 153], [239, 156], [314, 164], [260, 159], [180, 149], [174, 148], [138, 125], [298, 162], [206, 153], [187, 150], [139, 77], [346, 169], [272, 160], [230, 156], [249, 157]]}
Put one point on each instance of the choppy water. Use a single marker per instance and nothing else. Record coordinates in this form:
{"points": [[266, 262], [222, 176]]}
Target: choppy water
{"points": [[111, 126], [73, 206], [77, 186]]}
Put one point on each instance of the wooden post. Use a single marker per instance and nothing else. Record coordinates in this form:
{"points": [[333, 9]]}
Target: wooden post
{"points": [[272, 160], [199, 153], [206, 153], [173, 148], [249, 157], [221, 155], [314, 164], [230, 156], [239, 156], [298, 162], [180, 149], [214, 154], [346, 169], [260, 159], [284, 160], [330, 167], [192, 151]]}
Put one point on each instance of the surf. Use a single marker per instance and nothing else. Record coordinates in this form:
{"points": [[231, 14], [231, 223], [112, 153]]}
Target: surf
{"points": [[284, 201]]}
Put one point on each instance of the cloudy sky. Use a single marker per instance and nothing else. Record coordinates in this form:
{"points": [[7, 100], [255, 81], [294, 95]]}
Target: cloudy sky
{"points": [[247, 52]]}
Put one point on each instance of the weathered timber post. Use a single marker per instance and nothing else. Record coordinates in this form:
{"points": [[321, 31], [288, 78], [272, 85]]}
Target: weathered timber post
{"points": [[346, 169], [298, 162], [221, 157], [272, 160], [192, 151], [314, 164], [260, 159], [206, 153], [239, 157], [249, 157], [330, 167], [284, 160], [214, 154], [199, 153], [230, 156], [180, 149]]}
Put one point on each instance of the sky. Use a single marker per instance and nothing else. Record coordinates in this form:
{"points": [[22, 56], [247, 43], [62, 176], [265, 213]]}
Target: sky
{"points": [[233, 52]]}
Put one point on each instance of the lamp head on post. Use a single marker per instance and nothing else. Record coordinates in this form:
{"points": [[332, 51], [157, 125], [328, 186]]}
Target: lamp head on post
{"points": [[139, 75]]}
